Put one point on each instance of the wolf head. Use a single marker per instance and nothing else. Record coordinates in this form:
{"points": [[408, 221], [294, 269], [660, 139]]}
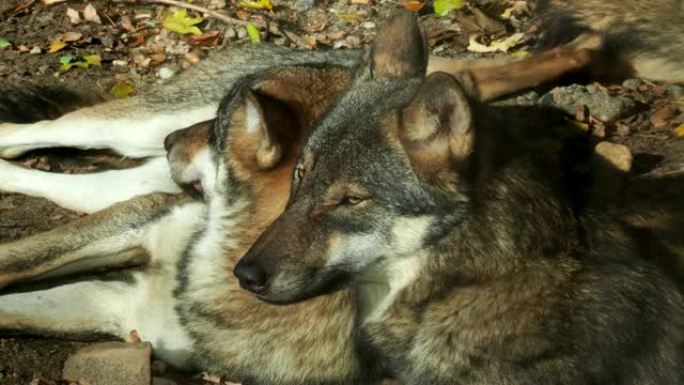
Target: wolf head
{"points": [[379, 176]]}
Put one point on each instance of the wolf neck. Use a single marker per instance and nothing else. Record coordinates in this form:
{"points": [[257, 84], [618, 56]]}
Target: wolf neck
{"points": [[516, 224]]}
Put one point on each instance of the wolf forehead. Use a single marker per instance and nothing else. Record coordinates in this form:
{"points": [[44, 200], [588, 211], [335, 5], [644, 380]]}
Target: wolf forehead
{"points": [[361, 112]]}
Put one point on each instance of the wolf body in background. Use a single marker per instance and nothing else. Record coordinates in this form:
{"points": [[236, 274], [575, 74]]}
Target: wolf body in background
{"points": [[472, 263]]}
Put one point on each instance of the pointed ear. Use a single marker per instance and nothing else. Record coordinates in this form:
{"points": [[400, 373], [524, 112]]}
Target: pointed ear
{"points": [[262, 130], [400, 48], [437, 127]]}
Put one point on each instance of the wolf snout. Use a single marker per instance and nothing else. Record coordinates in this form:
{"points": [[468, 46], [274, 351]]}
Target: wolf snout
{"points": [[252, 276]]}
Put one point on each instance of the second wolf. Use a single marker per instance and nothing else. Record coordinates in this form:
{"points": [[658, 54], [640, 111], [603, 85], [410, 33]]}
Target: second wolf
{"points": [[473, 260]]}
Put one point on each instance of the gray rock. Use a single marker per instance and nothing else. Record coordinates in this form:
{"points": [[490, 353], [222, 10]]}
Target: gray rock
{"points": [[601, 105], [632, 84], [110, 363], [304, 5]]}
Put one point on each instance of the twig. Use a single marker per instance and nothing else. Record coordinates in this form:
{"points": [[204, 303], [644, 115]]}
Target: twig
{"points": [[216, 15]]}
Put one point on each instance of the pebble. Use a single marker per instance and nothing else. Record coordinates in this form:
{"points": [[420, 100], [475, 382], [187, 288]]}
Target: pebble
{"points": [[632, 84], [304, 5], [368, 25], [601, 105], [108, 363], [165, 72]]}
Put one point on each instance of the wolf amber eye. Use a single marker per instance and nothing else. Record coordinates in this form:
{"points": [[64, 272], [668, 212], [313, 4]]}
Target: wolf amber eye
{"points": [[351, 200]]}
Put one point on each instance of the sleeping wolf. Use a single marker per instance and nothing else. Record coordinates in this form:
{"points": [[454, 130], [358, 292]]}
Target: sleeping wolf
{"points": [[182, 296], [472, 264]]}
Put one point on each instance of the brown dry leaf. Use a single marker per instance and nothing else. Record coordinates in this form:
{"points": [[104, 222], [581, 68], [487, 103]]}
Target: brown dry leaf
{"points": [[90, 14], [351, 17], [139, 40], [362, 2], [661, 118], [412, 5], [126, 24], [73, 16], [158, 58], [51, 2], [71, 37], [207, 39], [133, 337], [22, 48]]}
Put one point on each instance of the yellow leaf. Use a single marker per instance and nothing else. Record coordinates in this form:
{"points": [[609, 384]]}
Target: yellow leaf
{"points": [[443, 7], [521, 54], [180, 22], [56, 46], [350, 17], [258, 4], [679, 131], [93, 60], [254, 34], [121, 90]]}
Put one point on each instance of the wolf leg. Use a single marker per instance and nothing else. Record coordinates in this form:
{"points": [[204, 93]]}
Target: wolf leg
{"points": [[98, 308], [489, 83], [116, 236], [89, 192], [131, 127]]}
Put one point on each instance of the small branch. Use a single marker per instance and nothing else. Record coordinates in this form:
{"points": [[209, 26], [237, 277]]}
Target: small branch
{"points": [[216, 15]]}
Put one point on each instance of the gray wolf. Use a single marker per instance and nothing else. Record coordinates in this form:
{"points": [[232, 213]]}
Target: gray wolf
{"points": [[472, 264]]}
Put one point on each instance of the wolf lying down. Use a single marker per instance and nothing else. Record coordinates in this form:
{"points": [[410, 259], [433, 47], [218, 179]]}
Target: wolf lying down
{"points": [[411, 232]]}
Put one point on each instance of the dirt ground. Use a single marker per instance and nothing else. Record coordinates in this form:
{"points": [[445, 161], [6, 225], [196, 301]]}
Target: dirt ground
{"points": [[135, 52]]}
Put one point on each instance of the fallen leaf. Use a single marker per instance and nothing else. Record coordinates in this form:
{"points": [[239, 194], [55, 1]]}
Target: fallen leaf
{"points": [[207, 39], [180, 22], [133, 337], [51, 2], [71, 36], [73, 16], [4, 43], [121, 90], [679, 131], [56, 46], [443, 7], [139, 40], [259, 4], [90, 14], [661, 118], [413, 5], [361, 2], [22, 48], [126, 24], [68, 61], [500, 45], [253, 33], [350, 17]]}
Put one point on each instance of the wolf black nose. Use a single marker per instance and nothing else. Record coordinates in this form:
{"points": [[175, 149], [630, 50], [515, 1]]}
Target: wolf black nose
{"points": [[252, 277], [171, 139]]}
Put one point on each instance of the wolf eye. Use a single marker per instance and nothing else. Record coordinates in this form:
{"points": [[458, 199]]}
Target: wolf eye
{"points": [[299, 173], [351, 200]]}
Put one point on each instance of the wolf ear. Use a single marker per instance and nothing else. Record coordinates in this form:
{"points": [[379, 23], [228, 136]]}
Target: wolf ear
{"points": [[261, 131], [400, 48], [437, 127]]}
